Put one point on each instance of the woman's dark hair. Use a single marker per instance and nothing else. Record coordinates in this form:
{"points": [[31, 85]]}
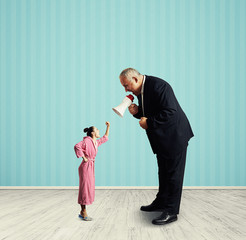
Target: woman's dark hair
{"points": [[89, 131]]}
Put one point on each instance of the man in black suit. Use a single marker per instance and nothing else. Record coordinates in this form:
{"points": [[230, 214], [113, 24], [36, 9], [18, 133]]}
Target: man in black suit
{"points": [[168, 131]]}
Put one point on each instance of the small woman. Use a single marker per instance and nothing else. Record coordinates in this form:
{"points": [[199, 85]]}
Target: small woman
{"points": [[87, 149]]}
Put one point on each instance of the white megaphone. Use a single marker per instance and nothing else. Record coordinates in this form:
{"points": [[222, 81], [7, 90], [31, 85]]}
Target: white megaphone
{"points": [[127, 101]]}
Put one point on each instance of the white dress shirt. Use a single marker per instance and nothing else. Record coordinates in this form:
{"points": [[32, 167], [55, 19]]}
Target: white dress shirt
{"points": [[142, 92]]}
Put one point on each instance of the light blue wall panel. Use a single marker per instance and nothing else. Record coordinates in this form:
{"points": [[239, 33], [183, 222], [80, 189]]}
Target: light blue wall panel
{"points": [[59, 67]]}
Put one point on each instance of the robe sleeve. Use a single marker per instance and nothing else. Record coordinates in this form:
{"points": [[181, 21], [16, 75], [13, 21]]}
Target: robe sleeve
{"points": [[80, 149], [102, 140]]}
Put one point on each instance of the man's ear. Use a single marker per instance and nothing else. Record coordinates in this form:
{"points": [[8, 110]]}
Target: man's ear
{"points": [[135, 79]]}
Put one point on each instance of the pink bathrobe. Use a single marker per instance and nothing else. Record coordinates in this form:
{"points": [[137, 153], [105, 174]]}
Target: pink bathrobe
{"points": [[88, 149]]}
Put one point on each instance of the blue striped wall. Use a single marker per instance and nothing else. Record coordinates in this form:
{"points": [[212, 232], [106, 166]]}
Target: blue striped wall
{"points": [[59, 67]]}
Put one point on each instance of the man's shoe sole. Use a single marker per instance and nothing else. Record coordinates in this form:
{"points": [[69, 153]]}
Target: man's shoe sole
{"points": [[163, 223]]}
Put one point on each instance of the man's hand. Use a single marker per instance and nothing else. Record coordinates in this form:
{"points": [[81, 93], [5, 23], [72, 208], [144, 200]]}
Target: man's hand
{"points": [[133, 109], [143, 123]]}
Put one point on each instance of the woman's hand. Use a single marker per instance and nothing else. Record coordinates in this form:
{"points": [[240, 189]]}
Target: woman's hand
{"points": [[133, 109], [108, 124], [85, 159]]}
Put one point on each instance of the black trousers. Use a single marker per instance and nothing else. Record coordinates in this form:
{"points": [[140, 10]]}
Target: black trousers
{"points": [[171, 175]]}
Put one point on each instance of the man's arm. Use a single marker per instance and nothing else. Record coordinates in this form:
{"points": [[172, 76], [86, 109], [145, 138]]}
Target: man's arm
{"points": [[139, 112], [167, 104]]}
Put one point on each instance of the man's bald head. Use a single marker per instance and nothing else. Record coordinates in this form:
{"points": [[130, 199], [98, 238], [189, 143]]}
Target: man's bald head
{"points": [[129, 73], [131, 80]]}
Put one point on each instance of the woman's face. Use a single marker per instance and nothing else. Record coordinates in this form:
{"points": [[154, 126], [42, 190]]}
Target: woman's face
{"points": [[96, 132]]}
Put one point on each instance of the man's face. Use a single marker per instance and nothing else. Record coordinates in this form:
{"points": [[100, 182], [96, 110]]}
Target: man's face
{"points": [[130, 86]]}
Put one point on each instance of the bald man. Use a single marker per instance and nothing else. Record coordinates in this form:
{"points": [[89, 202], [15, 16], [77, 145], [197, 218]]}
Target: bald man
{"points": [[168, 131]]}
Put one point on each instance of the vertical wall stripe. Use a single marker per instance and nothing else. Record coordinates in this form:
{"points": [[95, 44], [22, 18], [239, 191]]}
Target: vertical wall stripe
{"points": [[3, 93], [242, 87]]}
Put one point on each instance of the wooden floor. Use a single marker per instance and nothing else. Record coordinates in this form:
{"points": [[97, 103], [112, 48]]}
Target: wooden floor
{"points": [[52, 214]]}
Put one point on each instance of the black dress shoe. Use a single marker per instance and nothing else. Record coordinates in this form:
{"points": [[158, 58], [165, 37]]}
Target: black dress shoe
{"points": [[165, 218], [153, 207]]}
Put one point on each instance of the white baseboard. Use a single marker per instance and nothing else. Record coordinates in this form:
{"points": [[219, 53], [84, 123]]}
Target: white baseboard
{"points": [[118, 187], [214, 187]]}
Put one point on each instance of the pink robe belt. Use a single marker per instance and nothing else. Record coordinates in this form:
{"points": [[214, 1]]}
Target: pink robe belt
{"points": [[90, 159]]}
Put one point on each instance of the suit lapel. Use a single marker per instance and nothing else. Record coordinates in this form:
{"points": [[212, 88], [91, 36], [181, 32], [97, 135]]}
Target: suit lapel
{"points": [[145, 95]]}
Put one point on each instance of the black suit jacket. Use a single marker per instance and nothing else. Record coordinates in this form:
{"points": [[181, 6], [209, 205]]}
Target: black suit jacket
{"points": [[168, 127]]}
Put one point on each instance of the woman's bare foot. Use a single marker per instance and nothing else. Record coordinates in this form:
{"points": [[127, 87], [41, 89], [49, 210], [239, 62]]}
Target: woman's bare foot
{"points": [[83, 214]]}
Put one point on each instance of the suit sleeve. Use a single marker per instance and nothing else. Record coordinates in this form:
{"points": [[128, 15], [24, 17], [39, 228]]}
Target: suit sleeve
{"points": [[166, 101], [139, 114], [140, 111]]}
